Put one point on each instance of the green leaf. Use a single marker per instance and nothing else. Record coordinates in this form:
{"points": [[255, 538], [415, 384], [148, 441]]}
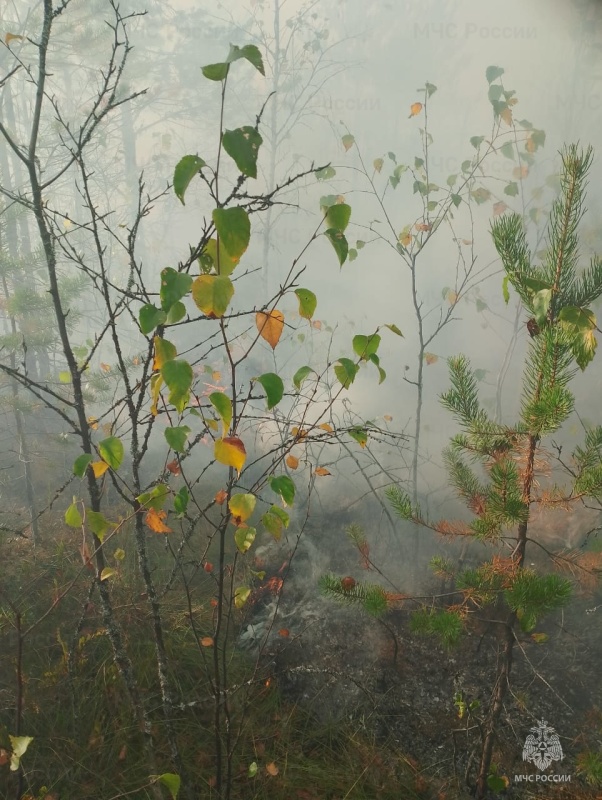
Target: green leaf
{"points": [[346, 370], [217, 258], [186, 168], [326, 173], [300, 375], [252, 771], [352, 254], [394, 329], [176, 438], [580, 324], [164, 351], [176, 313], [495, 92], [241, 595], [252, 54], [481, 305], [212, 294], [174, 286], [244, 538], [274, 520], [180, 501], [430, 89], [178, 377], [507, 150], [274, 388], [18, 745], [242, 506], [348, 141], [476, 141], [155, 498], [505, 291], [107, 573], [150, 318], [80, 465], [481, 195], [234, 230], [307, 302], [511, 189], [456, 199], [491, 73], [365, 346], [111, 451], [216, 72], [73, 517], [339, 242], [98, 523], [360, 435], [541, 303], [223, 405], [172, 782], [283, 486], [338, 216], [375, 360], [242, 145]]}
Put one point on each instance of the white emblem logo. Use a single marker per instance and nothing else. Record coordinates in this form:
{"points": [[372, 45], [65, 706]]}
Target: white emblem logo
{"points": [[542, 746]]}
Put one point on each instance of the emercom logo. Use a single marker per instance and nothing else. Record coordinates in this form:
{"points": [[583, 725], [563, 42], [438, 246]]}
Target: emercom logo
{"points": [[542, 747]]}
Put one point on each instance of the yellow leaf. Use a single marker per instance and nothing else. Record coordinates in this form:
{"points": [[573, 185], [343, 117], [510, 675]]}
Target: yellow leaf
{"points": [[156, 382], [164, 351], [231, 452], [326, 427], [388, 418], [93, 423], [406, 240], [539, 637], [11, 37], [107, 573], [378, 164], [270, 326], [292, 462], [207, 641], [298, 433], [154, 520], [322, 471], [272, 769], [451, 297], [99, 468], [216, 376], [506, 115], [415, 109], [242, 506], [431, 358]]}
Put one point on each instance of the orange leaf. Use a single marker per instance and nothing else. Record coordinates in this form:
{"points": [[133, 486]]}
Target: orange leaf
{"points": [[520, 172], [431, 358], [220, 497], [4, 757], [154, 520], [174, 467], [213, 602], [506, 115], [105, 367], [207, 641], [272, 769], [406, 240], [315, 323], [499, 208], [270, 326], [93, 423], [423, 226], [451, 297], [216, 376], [99, 468], [298, 433], [292, 462], [348, 583], [388, 418], [121, 757], [321, 471], [326, 427], [10, 37], [208, 566], [284, 632], [415, 109]]}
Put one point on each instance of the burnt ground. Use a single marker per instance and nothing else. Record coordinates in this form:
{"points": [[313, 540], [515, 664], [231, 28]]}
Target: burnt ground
{"points": [[399, 687]]}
